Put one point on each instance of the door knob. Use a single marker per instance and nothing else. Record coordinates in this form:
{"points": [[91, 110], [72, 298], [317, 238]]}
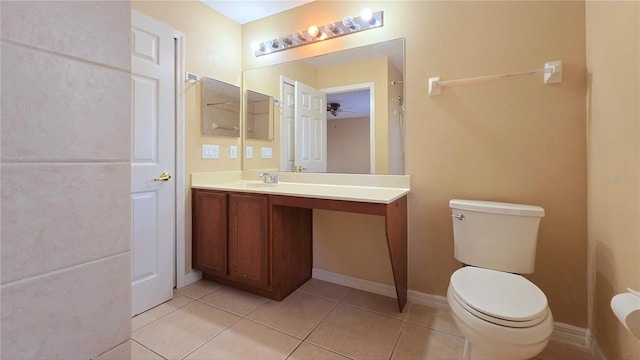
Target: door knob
{"points": [[165, 176]]}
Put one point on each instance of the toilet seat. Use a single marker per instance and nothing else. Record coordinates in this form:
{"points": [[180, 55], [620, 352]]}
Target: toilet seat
{"points": [[501, 298]]}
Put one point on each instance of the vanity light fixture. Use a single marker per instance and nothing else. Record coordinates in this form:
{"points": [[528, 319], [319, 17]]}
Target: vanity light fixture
{"points": [[352, 25], [348, 25]]}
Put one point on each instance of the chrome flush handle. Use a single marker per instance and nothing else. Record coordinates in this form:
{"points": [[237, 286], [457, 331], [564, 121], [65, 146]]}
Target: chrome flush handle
{"points": [[459, 216]]}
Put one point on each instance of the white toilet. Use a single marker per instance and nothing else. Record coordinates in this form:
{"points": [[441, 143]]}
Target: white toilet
{"points": [[502, 314]]}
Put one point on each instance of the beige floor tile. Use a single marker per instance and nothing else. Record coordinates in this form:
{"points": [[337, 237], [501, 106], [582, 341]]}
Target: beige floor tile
{"points": [[373, 302], [308, 351], [129, 350], [159, 311], [247, 340], [296, 315], [357, 333], [235, 301], [417, 342], [557, 350], [434, 317], [182, 331], [198, 289], [324, 289]]}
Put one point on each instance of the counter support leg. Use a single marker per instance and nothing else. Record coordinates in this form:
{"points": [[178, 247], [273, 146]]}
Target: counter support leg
{"points": [[396, 228]]}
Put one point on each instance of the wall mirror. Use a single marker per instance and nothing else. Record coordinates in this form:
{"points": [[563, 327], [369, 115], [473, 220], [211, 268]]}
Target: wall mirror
{"points": [[220, 108], [258, 115], [362, 101]]}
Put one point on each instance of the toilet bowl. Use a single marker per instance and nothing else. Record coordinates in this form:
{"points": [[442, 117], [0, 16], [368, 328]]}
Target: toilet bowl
{"points": [[502, 315]]}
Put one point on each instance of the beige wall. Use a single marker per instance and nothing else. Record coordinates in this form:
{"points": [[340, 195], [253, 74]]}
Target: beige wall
{"points": [[514, 140], [212, 49], [66, 182], [613, 64], [348, 145]]}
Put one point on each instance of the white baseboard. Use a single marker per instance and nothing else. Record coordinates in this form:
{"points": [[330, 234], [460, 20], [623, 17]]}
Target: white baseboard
{"points": [[569, 334], [360, 284], [191, 277]]}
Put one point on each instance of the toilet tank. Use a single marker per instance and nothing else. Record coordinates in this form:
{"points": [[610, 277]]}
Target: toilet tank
{"points": [[495, 235]]}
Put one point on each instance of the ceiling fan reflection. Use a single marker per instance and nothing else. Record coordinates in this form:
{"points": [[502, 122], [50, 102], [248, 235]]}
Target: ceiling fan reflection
{"points": [[334, 108]]}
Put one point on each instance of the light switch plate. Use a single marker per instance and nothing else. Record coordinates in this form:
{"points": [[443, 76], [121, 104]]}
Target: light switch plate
{"points": [[233, 152], [249, 152], [210, 151], [266, 152]]}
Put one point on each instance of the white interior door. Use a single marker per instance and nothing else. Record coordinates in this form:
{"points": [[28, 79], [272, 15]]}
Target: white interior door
{"points": [[153, 155], [287, 138], [310, 128]]}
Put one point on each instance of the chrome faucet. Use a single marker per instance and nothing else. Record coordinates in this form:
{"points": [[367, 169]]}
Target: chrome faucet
{"points": [[269, 178]]}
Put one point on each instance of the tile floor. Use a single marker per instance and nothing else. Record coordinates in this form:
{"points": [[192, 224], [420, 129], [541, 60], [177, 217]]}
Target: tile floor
{"points": [[320, 320]]}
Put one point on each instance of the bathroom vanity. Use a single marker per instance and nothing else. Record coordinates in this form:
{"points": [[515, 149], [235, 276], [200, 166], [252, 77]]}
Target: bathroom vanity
{"points": [[258, 237]]}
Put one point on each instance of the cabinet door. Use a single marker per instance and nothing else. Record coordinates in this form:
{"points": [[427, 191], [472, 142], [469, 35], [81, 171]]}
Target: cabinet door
{"points": [[249, 240], [209, 244]]}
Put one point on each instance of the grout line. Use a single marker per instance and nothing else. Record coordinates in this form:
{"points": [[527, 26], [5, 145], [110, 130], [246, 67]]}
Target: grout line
{"points": [[332, 310], [61, 270], [141, 344], [214, 336], [170, 312], [335, 307], [395, 344], [64, 55], [67, 162]]}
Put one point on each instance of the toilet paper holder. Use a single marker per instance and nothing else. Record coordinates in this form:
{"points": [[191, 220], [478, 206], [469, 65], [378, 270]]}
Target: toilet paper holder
{"points": [[634, 292], [626, 307]]}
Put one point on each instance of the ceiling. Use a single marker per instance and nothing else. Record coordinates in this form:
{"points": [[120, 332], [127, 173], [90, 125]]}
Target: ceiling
{"points": [[245, 11], [354, 104]]}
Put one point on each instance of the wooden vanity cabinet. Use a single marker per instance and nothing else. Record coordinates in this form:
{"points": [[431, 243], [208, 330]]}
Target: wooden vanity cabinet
{"points": [[241, 240], [248, 234], [209, 233]]}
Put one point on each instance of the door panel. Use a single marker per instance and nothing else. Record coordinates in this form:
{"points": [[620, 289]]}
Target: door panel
{"points": [[288, 127], [310, 128], [153, 153]]}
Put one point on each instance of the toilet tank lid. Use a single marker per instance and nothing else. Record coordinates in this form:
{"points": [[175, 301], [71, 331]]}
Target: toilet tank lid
{"points": [[497, 207]]}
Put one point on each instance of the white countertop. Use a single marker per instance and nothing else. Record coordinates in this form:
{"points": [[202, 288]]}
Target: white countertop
{"points": [[383, 189]]}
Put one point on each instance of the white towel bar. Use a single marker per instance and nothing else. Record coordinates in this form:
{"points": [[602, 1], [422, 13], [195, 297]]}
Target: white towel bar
{"points": [[552, 74]]}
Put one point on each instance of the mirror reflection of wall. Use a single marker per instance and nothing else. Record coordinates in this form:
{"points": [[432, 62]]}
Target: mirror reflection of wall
{"points": [[380, 64], [348, 132], [220, 108], [259, 116]]}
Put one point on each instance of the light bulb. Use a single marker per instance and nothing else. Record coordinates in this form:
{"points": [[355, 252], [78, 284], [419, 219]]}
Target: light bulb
{"points": [[255, 45], [274, 43], [332, 28], [286, 40], [313, 31], [348, 22], [300, 36], [367, 15]]}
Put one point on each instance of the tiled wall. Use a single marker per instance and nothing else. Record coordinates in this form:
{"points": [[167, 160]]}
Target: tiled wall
{"points": [[65, 178]]}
